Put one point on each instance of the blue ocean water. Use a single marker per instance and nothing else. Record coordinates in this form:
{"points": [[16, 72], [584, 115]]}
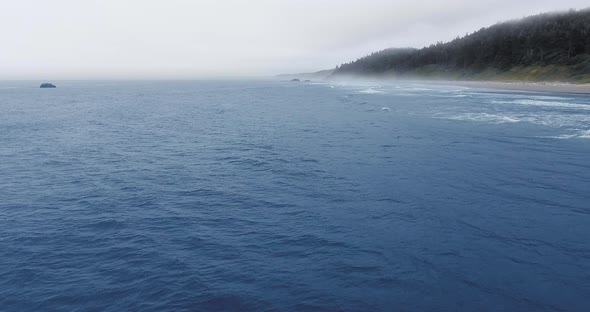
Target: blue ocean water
{"points": [[277, 196]]}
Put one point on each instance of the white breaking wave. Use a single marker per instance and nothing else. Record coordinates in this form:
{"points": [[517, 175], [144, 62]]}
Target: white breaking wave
{"points": [[453, 96], [371, 91], [485, 117], [558, 120], [421, 89], [549, 119], [581, 134], [548, 98], [545, 104]]}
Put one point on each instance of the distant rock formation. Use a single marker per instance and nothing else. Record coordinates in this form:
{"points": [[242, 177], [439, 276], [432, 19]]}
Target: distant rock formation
{"points": [[295, 80], [47, 85], [321, 75]]}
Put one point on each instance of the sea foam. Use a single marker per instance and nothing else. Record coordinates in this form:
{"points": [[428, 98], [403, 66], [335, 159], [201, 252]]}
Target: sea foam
{"points": [[546, 104], [485, 117], [371, 91]]}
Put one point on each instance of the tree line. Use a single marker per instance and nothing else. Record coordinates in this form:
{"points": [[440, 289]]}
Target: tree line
{"points": [[541, 40]]}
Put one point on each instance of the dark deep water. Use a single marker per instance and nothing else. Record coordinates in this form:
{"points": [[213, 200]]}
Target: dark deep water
{"points": [[250, 196]]}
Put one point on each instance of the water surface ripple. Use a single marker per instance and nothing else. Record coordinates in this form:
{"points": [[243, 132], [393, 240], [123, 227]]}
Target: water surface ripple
{"points": [[271, 196]]}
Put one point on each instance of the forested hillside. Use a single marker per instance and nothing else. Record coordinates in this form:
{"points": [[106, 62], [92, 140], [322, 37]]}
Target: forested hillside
{"points": [[554, 46]]}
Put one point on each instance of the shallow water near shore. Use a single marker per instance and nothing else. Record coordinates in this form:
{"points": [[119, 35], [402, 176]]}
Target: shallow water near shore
{"points": [[264, 195]]}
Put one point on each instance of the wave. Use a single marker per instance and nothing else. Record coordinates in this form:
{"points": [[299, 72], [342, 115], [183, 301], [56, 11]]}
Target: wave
{"points": [[548, 98], [498, 119], [371, 91], [580, 134], [453, 96], [546, 104]]}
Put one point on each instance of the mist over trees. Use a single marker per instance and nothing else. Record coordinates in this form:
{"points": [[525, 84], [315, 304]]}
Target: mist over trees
{"points": [[545, 46]]}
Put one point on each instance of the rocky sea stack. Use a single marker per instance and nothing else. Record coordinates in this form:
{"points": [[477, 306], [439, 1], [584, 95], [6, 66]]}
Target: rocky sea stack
{"points": [[47, 85]]}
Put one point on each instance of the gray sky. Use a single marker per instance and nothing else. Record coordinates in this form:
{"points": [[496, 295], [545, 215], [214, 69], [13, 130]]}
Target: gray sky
{"points": [[168, 39]]}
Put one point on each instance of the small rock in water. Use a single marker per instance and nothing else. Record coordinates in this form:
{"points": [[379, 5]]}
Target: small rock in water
{"points": [[295, 80], [48, 85]]}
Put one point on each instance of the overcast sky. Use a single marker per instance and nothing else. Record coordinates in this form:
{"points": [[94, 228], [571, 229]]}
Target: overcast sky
{"points": [[168, 39]]}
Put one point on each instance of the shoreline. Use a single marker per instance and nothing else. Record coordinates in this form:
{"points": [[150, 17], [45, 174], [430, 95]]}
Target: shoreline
{"points": [[525, 86], [553, 87], [514, 85]]}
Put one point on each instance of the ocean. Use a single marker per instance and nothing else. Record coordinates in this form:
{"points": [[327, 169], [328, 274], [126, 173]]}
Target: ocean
{"points": [[283, 196]]}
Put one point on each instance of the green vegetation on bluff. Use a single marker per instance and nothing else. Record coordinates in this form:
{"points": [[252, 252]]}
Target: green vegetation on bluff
{"points": [[545, 47]]}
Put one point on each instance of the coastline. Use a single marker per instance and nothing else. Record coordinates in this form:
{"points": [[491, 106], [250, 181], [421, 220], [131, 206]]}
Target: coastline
{"points": [[525, 86], [555, 87]]}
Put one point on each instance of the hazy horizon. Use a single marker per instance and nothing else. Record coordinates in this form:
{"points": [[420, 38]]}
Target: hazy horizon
{"points": [[181, 39]]}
